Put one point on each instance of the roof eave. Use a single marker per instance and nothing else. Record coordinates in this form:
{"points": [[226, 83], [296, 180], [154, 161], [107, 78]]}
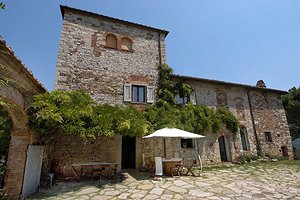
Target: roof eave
{"points": [[29, 74], [229, 83], [63, 8]]}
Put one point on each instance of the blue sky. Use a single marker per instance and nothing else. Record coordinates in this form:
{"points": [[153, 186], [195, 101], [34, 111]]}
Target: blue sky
{"points": [[238, 41]]}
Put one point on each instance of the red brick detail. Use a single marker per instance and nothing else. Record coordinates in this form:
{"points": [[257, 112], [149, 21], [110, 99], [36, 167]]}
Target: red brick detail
{"points": [[20, 139], [138, 78], [95, 46], [221, 98]]}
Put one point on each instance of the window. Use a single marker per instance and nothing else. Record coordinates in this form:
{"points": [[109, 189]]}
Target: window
{"points": [[268, 136], [111, 41], [182, 100], [127, 93], [244, 138], [138, 93], [150, 94], [126, 44], [187, 143]]}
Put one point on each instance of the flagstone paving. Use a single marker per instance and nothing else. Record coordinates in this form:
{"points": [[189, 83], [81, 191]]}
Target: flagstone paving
{"points": [[259, 181]]}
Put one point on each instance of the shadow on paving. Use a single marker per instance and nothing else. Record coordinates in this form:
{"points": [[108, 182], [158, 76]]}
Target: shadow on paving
{"points": [[65, 187], [138, 175]]}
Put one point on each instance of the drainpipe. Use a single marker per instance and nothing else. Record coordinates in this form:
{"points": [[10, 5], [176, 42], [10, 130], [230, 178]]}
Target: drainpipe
{"points": [[159, 49], [258, 147]]}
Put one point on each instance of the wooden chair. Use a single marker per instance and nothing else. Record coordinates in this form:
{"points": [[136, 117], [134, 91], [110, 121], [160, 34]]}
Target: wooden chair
{"points": [[97, 171], [150, 164], [177, 169]]}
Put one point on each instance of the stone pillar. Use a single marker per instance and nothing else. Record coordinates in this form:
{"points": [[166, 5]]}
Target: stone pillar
{"points": [[16, 161]]}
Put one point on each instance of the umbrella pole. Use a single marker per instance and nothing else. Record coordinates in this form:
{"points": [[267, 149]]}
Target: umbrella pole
{"points": [[165, 152]]}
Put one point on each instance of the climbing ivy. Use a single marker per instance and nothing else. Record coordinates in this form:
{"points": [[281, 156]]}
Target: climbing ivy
{"points": [[199, 119], [75, 112], [5, 128], [167, 89]]}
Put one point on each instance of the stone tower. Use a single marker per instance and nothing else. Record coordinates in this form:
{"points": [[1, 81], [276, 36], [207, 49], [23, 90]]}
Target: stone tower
{"points": [[114, 60]]}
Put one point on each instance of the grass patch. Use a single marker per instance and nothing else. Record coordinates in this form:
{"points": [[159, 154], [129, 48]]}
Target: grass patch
{"points": [[290, 162], [281, 163], [217, 167], [264, 164]]}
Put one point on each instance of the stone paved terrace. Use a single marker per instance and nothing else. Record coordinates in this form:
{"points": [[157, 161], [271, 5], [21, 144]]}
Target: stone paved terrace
{"points": [[274, 180]]}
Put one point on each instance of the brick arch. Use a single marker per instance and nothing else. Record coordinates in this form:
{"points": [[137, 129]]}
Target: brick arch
{"points": [[126, 44], [17, 96], [20, 139]]}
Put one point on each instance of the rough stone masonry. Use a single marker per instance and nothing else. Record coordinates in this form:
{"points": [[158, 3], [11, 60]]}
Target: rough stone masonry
{"points": [[88, 60]]}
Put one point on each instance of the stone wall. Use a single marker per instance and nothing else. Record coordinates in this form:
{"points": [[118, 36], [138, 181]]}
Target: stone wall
{"points": [[269, 116], [104, 73], [69, 149], [171, 148], [86, 63]]}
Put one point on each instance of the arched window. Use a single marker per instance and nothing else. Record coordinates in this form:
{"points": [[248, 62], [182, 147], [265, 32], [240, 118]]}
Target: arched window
{"points": [[126, 44], [244, 138], [111, 41]]}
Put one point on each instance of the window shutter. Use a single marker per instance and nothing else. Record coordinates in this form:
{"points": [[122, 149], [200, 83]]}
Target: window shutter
{"points": [[193, 98], [127, 93], [177, 99], [150, 94]]}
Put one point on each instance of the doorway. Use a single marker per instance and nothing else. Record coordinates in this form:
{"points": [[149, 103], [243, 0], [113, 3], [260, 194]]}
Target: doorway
{"points": [[224, 149], [128, 152], [284, 151]]}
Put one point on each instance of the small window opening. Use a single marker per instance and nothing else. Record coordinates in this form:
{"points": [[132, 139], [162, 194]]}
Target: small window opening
{"points": [[126, 44], [138, 94], [187, 143], [244, 138], [268, 136], [111, 41]]}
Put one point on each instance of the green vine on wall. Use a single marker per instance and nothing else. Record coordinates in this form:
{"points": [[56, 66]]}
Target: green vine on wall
{"points": [[199, 119], [75, 112]]}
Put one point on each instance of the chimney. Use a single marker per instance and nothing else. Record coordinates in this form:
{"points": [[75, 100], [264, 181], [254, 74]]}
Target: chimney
{"points": [[261, 84]]}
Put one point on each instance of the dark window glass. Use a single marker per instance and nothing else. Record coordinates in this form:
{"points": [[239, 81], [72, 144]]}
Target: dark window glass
{"points": [[244, 138], [138, 93], [268, 136], [187, 143]]}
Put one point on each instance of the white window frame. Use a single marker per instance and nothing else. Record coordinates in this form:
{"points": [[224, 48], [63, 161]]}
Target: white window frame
{"points": [[148, 91], [150, 94], [127, 93]]}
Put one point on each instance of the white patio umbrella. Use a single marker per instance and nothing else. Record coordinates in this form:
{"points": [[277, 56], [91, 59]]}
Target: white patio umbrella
{"points": [[175, 133]]}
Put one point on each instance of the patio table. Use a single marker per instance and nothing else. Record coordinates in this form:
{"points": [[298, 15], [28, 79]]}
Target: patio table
{"points": [[170, 164], [92, 165]]}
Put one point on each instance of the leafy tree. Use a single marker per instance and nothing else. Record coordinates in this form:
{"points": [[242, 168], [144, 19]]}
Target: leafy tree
{"points": [[291, 102], [194, 118], [75, 112], [2, 5], [5, 128]]}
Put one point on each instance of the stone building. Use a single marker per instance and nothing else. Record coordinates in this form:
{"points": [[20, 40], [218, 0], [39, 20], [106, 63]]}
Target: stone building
{"points": [[116, 62]]}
